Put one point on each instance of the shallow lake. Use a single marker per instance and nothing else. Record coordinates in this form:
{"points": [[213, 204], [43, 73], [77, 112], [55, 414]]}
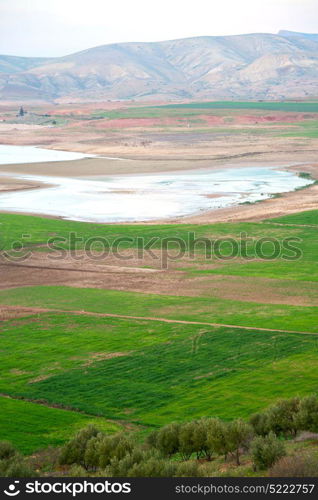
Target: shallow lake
{"points": [[32, 154], [147, 197]]}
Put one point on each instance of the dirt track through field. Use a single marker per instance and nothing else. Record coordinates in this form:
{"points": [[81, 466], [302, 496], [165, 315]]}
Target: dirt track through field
{"points": [[107, 269], [32, 310], [146, 275]]}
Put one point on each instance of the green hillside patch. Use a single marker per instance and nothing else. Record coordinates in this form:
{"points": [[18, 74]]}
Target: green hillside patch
{"points": [[150, 372], [203, 309], [31, 427], [39, 347], [302, 218], [296, 271], [308, 128], [297, 257]]}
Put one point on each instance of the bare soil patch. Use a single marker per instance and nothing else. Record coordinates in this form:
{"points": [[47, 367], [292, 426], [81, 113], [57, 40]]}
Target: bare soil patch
{"points": [[102, 356], [131, 275], [12, 312]]}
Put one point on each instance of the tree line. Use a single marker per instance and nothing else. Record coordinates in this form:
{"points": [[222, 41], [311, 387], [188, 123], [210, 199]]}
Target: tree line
{"points": [[166, 452]]}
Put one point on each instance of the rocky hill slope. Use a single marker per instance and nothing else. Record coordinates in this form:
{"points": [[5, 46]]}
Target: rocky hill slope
{"points": [[254, 66]]}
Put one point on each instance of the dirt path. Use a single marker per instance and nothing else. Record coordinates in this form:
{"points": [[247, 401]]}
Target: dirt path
{"points": [[151, 318], [104, 270]]}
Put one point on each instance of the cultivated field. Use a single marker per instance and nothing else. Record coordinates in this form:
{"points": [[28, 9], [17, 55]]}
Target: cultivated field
{"points": [[143, 341]]}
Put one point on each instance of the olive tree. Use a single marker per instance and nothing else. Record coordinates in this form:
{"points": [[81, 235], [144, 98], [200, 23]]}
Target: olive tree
{"points": [[239, 433], [74, 451], [167, 439], [217, 437], [266, 451], [260, 423], [307, 417], [283, 417]]}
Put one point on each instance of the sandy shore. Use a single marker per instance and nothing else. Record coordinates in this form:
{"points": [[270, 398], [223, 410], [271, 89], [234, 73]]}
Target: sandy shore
{"points": [[12, 184], [88, 167]]}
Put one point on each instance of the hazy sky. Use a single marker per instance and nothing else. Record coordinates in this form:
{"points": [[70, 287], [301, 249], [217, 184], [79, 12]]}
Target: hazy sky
{"points": [[59, 27]]}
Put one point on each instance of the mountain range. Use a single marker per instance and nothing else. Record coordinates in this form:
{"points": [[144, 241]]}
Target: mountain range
{"points": [[252, 66]]}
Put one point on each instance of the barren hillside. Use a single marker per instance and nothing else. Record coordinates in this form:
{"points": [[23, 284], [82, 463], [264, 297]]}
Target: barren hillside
{"points": [[254, 66]]}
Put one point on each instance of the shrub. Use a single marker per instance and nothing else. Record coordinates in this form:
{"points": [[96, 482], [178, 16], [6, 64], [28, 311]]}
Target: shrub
{"points": [[12, 464], [187, 469], [114, 447], [307, 417], [152, 439], [92, 454], [76, 471], [91, 449], [7, 450], [260, 423], [121, 468], [283, 417], [73, 452], [141, 463], [266, 451], [303, 465], [153, 467], [18, 467]]}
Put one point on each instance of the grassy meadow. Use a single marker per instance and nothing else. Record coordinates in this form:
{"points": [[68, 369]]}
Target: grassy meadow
{"points": [[152, 373], [33, 427]]}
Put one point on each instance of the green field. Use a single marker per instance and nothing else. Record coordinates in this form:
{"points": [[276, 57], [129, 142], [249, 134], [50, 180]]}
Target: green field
{"points": [[300, 107], [303, 218], [34, 233], [194, 108], [152, 373], [33, 427], [148, 372], [202, 309]]}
